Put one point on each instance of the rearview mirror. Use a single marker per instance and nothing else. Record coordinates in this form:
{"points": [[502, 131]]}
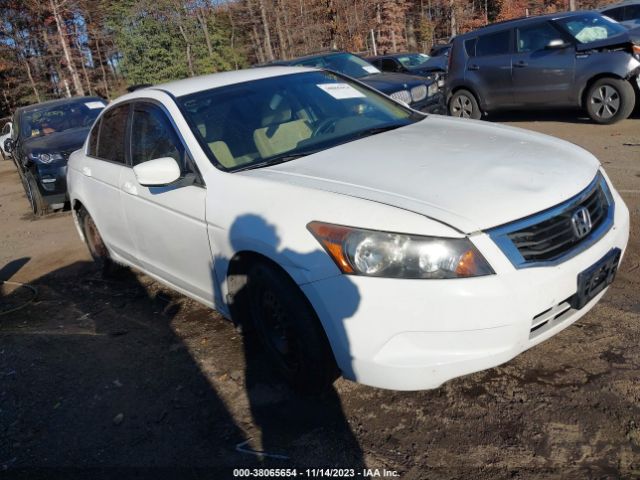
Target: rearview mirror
{"points": [[157, 172], [8, 145], [557, 44]]}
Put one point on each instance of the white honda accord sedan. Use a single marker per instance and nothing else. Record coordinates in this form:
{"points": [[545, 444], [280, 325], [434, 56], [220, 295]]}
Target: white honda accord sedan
{"points": [[346, 231]]}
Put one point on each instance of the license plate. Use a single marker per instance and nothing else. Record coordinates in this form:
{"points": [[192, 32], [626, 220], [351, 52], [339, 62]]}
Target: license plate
{"points": [[596, 278]]}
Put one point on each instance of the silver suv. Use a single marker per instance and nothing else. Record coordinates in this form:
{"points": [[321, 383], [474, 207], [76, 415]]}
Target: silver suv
{"points": [[574, 59]]}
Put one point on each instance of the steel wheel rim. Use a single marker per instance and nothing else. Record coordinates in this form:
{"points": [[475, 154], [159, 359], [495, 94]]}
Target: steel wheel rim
{"points": [[606, 102], [96, 247], [462, 107], [30, 197]]}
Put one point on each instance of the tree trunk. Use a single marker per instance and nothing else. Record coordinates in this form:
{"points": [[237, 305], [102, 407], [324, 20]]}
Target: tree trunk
{"points": [[84, 68], [73, 72], [205, 30], [267, 35], [189, 60], [572, 5], [452, 12], [31, 81]]}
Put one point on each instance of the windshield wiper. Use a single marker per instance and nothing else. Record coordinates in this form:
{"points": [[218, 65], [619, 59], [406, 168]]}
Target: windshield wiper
{"points": [[278, 159], [375, 130]]}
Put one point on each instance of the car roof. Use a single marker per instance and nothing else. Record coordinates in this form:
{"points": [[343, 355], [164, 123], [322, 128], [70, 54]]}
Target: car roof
{"points": [[56, 102], [522, 21], [394, 55], [191, 85], [311, 56]]}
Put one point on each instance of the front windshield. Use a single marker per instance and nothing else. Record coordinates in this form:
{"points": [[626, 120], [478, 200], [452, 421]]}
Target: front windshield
{"points": [[267, 121], [48, 120], [413, 59], [345, 63], [591, 27]]}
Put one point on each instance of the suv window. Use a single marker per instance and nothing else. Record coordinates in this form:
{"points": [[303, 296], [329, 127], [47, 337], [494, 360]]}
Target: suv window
{"points": [[92, 149], [153, 136], [632, 12], [494, 44], [111, 139], [615, 13], [533, 38], [390, 65]]}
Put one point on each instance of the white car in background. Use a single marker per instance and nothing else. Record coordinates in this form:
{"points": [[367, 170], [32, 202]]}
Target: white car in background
{"points": [[5, 134], [348, 232]]}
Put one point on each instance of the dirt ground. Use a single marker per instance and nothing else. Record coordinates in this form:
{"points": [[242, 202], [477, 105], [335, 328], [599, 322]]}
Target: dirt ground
{"points": [[124, 378]]}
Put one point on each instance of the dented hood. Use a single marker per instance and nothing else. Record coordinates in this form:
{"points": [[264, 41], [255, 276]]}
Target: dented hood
{"points": [[471, 175]]}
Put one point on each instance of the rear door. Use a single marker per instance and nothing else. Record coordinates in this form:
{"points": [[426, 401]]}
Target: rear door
{"points": [[167, 223], [102, 168], [542, 75], [488, 68]]}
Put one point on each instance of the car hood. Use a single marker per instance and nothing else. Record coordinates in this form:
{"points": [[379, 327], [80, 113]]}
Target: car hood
{"points": [[66, 141], [389, 82], [470, 175]]}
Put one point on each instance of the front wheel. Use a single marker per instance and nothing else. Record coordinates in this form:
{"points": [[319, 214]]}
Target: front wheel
{"points": [[289, 330], [463, 104], [610, 100], [38, 206]]}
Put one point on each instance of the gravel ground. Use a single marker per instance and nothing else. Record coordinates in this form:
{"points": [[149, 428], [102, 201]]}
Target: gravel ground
{"points": [[126, 378]]}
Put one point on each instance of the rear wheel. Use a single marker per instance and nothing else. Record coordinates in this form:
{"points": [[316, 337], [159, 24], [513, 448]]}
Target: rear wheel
{"points": [[96, 245], [610, 100], [38, 205], [289, 330], [463, 104]]}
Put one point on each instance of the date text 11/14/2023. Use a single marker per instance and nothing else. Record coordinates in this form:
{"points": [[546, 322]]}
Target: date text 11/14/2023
{"points": [[314, 473]]}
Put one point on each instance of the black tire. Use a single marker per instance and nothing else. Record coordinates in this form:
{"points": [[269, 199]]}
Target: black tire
{"points": [[95, 244], [610, 100], [38, 205], [463, 104], [289, 330]]}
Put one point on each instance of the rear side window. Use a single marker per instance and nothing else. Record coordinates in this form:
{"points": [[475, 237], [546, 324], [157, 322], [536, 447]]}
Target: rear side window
{"points": [[470, 46], [533, 38], [615, 13], [93, 140], [632, 12], [494, 44], [111, 139]]}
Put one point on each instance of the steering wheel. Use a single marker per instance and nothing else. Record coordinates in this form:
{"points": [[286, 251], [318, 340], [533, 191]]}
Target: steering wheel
{"points": [[325, 126]]}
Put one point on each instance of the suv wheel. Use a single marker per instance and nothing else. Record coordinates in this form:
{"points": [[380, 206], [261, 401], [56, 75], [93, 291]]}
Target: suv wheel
{"points": [[289, 330], [463, 104], [38, 205], [610, 100]]}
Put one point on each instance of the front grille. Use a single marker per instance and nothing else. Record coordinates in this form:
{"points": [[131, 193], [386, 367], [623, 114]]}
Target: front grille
{"points": [[419, 93], [555, 234], [402, 96], [551, 238]]}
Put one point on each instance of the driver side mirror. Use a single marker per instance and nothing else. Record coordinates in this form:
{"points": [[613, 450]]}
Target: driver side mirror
{"points": [[9, 145], [158, 172], [557, 44]]}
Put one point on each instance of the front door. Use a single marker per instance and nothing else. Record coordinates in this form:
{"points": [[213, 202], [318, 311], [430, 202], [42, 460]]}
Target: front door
{"points": [[542, 75], [167, 223]]}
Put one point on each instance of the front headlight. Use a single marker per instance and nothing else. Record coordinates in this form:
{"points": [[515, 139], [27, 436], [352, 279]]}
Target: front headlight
{"points": [[433, 89], [45, 157], [396, 255]]}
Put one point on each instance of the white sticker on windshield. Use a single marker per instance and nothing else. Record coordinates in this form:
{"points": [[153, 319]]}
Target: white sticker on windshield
{"points": [[371, 69], [341, 91], [93, 105]]}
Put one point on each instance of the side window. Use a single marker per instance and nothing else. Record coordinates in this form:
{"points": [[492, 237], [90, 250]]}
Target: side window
{"points": [[632, 12], [111, 140], [92, 148], [470, 46], [535, 37], [153, 136], [494, 44], [615, 13], [390, 65]]}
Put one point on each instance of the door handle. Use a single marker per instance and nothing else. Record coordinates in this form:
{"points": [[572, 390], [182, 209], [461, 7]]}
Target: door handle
{"points": [[86, 171], [521, 64], [130, 188], [474, 67]]}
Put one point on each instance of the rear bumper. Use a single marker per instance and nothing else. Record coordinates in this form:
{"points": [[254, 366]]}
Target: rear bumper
{"points": [[417, 334]]}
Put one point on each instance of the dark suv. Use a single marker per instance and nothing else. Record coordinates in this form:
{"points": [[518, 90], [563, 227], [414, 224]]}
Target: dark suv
{"points": [[627, 13], [419, 93], [576, 59], [44, 135]]}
